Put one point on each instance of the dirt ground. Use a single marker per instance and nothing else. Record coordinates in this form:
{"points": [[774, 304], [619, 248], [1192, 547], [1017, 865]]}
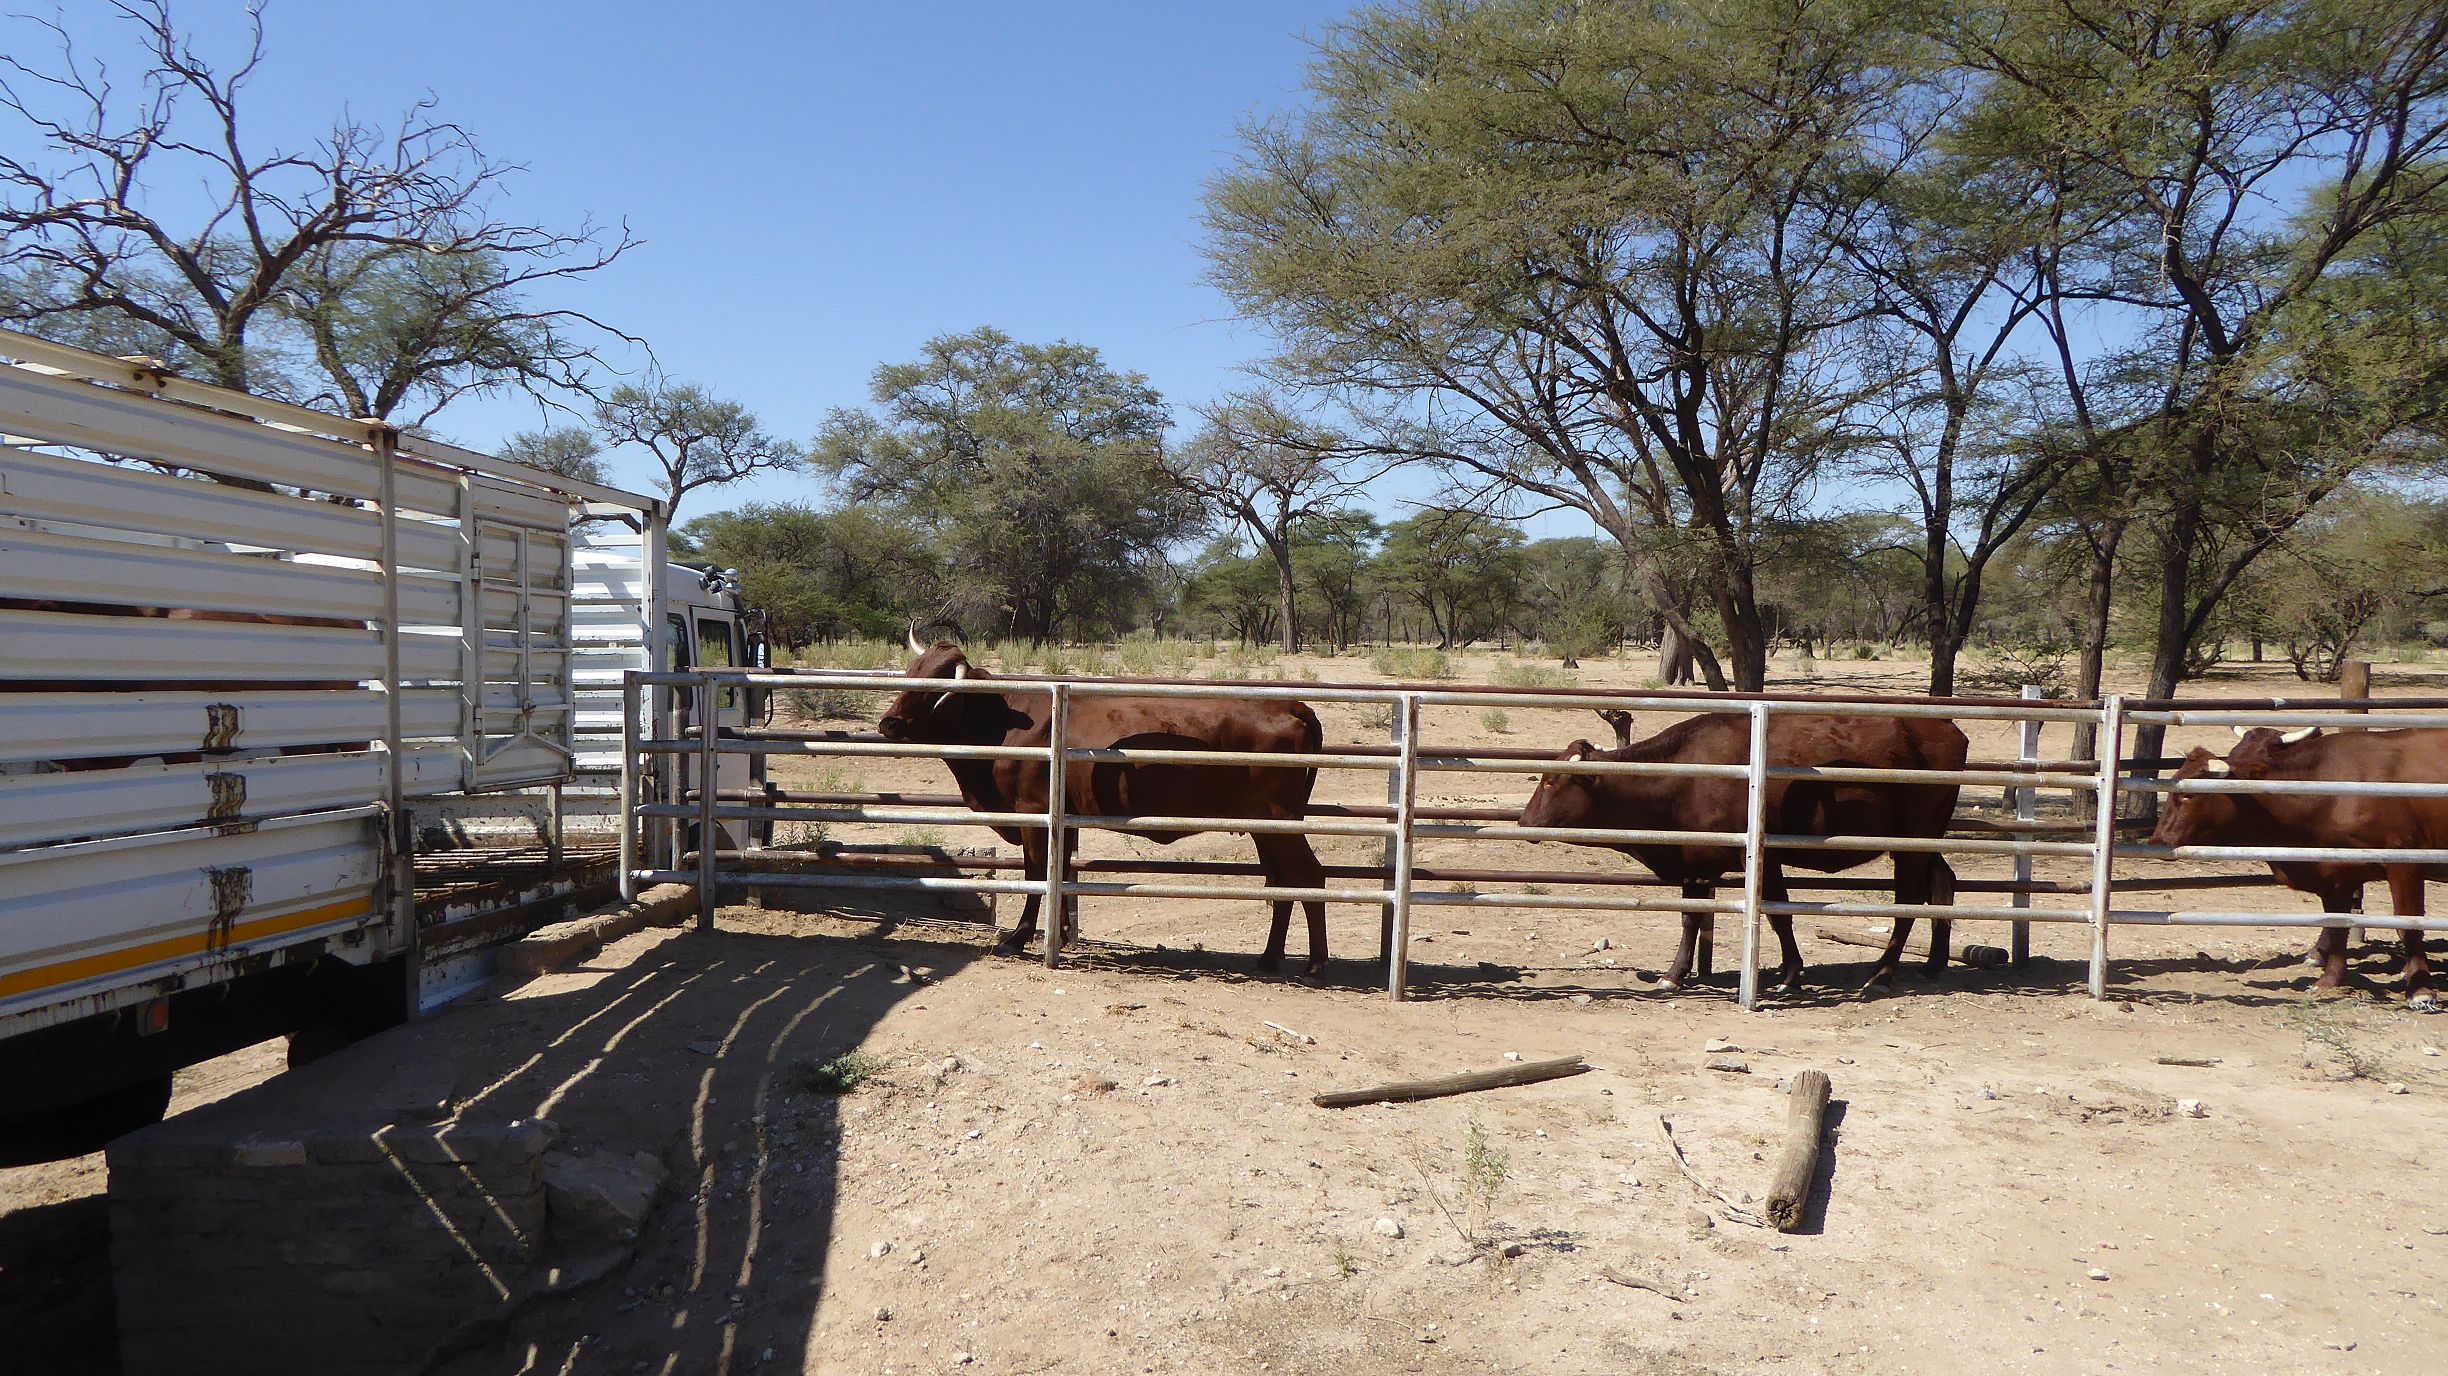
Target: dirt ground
{"points": [[1115, 1167]]}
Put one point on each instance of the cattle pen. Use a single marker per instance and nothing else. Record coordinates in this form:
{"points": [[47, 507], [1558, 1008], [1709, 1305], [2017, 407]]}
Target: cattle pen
{"points": [[661, 810]]}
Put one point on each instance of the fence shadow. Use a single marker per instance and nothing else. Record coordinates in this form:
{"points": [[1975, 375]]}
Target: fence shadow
{"points": [[715, 1052]]}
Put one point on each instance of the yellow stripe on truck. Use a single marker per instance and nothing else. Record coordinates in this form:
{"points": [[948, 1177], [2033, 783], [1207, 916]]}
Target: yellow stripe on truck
{"points": [[171, 948]]}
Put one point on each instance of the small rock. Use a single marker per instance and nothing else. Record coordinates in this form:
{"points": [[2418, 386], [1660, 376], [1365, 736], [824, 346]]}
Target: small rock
{"points": [[879, 1251], [1719, 1044], [1155, 1080], [1727, 1064], [1988, 1093], [1428, 1335], [1602, 944], [1579, 998], [706, 1048], [883, 1315], [1627, 1180], [2398, 1087], [1274, 1272], [1700, 1218], [1512, 1055], [1092, 1084], [2192, 1108], [2096, 1273], [2431, 1051], [1513, 1249], [962, 1359], [975, 1134], [1387, 1227]]}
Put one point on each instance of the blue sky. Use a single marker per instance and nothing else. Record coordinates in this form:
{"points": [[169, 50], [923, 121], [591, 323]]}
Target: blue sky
{"points": [[821, 187]]}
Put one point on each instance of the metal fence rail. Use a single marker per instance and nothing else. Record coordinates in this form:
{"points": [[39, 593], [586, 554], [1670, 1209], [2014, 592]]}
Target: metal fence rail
{"points": [[654, 797]]}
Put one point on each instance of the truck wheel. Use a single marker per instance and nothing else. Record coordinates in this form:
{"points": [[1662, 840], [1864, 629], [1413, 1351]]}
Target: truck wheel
{"points": [[57, 1134]]}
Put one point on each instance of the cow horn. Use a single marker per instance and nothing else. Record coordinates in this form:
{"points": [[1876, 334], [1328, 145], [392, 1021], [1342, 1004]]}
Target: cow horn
{"points": [[2218, 766], [2241, 731], [915, 647], [959, 671], [2303, 734]]}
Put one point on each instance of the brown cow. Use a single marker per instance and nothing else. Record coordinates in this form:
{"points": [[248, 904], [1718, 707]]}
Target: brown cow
{"points": [[2395, 823], [1017, 717], [1796, 807]]}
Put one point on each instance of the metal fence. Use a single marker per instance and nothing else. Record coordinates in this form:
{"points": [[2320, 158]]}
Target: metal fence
{"points": [[661, 804]]}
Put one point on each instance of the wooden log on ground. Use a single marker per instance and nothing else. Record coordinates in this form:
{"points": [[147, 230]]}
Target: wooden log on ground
{"points": [[1979, 957], [1797, 1163], [1525, 1073]]}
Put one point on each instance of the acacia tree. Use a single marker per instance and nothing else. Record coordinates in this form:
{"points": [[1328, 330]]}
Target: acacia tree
{"points": [[2254, 150], [1582, 254], [1037, 469], [570, 451], [1260, 466], [1462, 568], [149, 216], [694, 438]]}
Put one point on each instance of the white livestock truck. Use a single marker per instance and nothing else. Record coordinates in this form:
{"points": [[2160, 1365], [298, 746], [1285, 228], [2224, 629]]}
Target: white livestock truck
{"points": [[298, 716]]}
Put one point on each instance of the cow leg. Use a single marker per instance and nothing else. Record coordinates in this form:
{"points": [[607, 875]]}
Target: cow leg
{"points": [[1941, 893], [1681, 969], [2330, 949], [1913, 879], [1289, 863], [2406, 896], [1032, 864], [1773, 890]]}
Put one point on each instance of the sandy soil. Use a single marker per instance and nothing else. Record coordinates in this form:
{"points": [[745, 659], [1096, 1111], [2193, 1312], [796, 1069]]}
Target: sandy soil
{"points": [[1115, 1167]]}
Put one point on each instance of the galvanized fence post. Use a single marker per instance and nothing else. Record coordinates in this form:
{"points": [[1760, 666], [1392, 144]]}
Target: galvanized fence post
{"points": [[2103, 839], [1398, 875], [2027, 809], [1399, 736], [1058, 755], [627, 817], [709, 733], [1755, 854]]}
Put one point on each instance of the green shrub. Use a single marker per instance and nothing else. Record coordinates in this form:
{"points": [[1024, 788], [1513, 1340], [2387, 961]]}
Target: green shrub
{"points": [[1524, 675], [839, 1075], [1413, 665], [1495, 720]]}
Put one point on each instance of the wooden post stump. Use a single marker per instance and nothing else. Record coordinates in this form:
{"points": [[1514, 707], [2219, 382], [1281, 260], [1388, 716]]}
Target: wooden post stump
{"points": [[1797, 1163]]}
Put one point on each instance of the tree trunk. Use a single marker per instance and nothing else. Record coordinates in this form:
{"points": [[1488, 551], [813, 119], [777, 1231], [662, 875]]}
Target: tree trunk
{"points": [[2098, 603], [1281, 549], [1746, 635]]}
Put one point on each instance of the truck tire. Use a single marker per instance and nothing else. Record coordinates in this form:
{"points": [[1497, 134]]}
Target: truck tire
{"points": [[77, 1129]]}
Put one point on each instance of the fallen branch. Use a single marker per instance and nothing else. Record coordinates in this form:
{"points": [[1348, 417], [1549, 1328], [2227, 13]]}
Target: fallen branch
{"points": [[1657, 1287], [2196, 1062], [1978, 957], [1789, 1186], [1526, 1073], [1735, 1213], [1302, 1037]]}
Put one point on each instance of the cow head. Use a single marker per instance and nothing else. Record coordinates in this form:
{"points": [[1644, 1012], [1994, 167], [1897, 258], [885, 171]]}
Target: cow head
{"points": [[1564, 798], [2199, 819], [922, 715]]}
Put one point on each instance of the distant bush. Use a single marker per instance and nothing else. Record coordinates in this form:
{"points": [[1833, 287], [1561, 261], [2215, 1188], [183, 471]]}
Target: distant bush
{"points": [[1411, 665], [1495, 720], [1527, 675]]}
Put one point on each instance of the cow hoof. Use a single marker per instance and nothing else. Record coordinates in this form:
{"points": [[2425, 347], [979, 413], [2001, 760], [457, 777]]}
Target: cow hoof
{"points": [[1268, 965], [2326, 992], [1317, 969], [2424, 1002], [1668, 984], [1791, 984]]}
